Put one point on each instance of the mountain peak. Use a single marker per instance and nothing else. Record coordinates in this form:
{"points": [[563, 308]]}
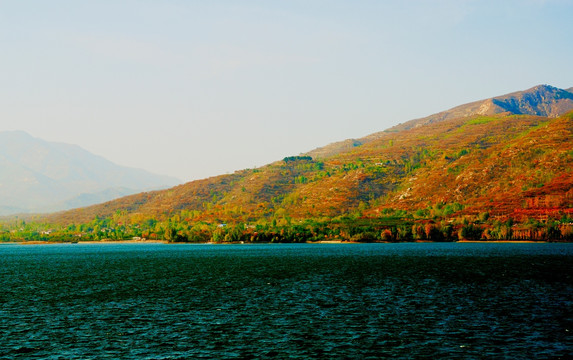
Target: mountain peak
{"points": [[540, 100], [543, 87]]}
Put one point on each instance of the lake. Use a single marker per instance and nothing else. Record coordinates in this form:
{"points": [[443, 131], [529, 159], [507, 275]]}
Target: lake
{"points": [[300, 301]]}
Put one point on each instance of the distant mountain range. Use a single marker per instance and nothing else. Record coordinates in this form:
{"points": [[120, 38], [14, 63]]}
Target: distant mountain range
{"points": [[508, 155], [42, 176]]}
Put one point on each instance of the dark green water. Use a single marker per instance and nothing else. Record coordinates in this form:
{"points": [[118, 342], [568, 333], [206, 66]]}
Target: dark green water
{"points": [[155, 301]]}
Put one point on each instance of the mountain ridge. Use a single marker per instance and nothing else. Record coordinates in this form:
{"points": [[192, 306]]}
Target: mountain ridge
{"points": [[526, 102], [530, 102]]}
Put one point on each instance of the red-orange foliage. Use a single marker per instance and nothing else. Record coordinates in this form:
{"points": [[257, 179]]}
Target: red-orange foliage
{"points": [[509, 166]]}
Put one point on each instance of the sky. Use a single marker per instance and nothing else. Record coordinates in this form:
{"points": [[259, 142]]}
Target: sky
{"points": [[194, 89]]}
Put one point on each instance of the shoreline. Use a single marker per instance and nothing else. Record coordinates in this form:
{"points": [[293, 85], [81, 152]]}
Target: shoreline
{"points": [[505, 241], [241, 243], [85, 242]]}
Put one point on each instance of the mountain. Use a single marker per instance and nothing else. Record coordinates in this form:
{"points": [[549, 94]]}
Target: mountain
{"points": [[513, 163], [541, 100], [40, 176]]}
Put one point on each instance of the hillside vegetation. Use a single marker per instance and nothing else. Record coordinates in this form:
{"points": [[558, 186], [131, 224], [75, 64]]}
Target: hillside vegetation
{"points": [[482, 176]]}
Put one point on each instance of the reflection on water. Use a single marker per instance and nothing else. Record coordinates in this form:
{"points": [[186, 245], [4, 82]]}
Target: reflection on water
{"points": [[134, 301]]}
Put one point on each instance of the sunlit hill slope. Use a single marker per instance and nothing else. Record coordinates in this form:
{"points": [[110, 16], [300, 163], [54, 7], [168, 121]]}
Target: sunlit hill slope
{"points": [[510, 156]]}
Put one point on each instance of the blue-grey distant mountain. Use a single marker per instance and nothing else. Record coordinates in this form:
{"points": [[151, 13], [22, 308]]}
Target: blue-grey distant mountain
{"points": [[42, 176]]}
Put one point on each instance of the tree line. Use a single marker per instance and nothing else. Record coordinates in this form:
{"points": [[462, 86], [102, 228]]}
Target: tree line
{"points": [[391, 226]]}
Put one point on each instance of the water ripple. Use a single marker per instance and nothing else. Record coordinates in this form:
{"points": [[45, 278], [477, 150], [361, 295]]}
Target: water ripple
{"points": [[295, 301]]}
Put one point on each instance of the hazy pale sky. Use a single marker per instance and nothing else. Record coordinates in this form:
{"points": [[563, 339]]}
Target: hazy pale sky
{"points": [[200, 88]]}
